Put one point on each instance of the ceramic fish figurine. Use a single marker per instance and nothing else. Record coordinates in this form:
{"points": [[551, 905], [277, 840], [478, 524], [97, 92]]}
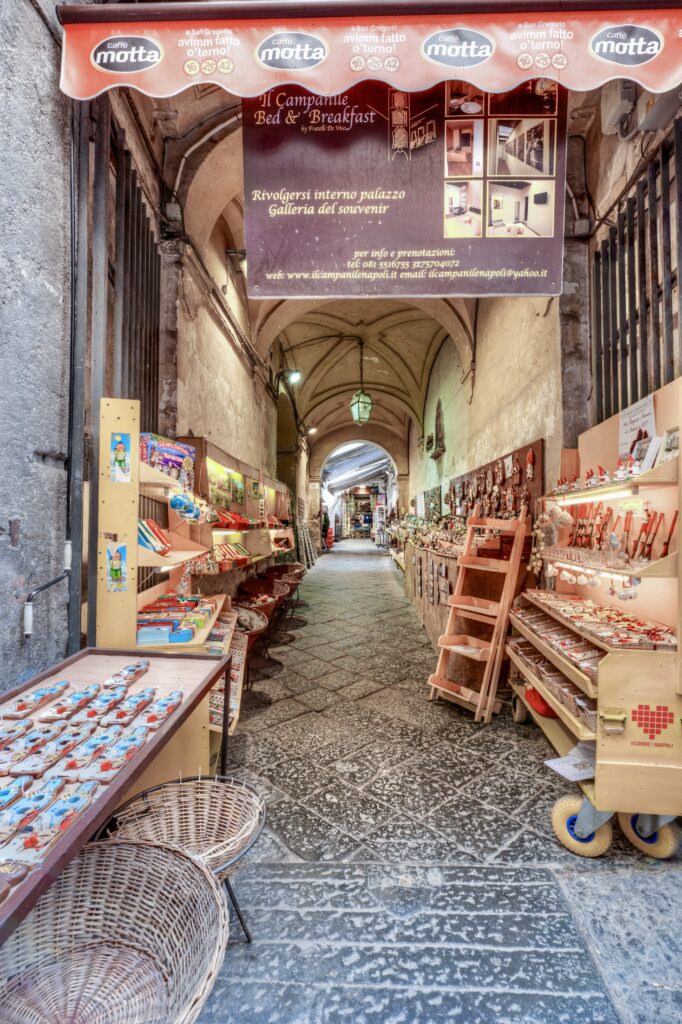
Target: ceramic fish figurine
{"points": [[100, 706], [35, 837], [25, 809], [36, 764], [28, 744], [29, 703], [128, 675], [13, 789], [162, 709], [112, 758], [81, 756], [130, 707], [13, 729], [68, 706]]}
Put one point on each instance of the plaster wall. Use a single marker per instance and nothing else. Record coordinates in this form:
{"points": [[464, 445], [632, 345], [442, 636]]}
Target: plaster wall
{"points": [[517, 393], [218, 393], [34, 333]]}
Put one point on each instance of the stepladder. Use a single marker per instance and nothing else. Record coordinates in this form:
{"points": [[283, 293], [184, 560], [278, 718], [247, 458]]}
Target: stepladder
{"points": [[480, 695]]}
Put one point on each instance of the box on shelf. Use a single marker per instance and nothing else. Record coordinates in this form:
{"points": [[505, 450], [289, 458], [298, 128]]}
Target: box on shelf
{"points": [[174, 458]]}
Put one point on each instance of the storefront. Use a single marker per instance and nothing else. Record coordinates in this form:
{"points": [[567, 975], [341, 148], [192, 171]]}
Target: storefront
{"points": [[456, 238]]}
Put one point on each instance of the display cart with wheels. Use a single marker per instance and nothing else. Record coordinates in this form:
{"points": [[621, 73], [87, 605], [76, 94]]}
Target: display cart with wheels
{"points": [[590, 667]]}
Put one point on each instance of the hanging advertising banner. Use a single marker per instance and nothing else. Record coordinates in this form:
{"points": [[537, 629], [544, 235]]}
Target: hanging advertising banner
{"points": [[162, 49], [379, 192]]}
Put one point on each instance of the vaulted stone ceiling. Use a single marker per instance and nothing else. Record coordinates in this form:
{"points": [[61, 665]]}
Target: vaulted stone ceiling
{"points": [[400, 344]]}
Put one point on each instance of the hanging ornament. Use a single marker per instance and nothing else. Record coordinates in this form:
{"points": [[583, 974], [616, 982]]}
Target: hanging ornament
{"points": [[530, 465]]}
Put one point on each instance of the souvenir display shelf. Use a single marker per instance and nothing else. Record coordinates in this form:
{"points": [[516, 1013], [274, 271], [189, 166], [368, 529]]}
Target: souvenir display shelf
{"points": [[255, 496], [627, 696], [180, 744]]}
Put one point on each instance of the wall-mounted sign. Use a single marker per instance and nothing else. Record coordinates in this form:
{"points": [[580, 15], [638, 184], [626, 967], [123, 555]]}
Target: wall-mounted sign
{"points": [[380, 192]]}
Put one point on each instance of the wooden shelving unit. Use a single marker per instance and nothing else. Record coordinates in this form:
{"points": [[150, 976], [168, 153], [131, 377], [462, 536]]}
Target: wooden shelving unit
{"points": [[200, 637], [571, 671], [573, 724], [660, 476], [665, 568]]}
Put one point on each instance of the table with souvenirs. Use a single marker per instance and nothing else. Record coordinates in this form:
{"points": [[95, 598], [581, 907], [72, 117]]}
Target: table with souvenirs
{"points": [[74, 741]]}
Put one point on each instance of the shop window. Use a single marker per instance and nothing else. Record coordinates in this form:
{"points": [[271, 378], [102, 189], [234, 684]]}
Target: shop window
{"points": [[635, 287]]}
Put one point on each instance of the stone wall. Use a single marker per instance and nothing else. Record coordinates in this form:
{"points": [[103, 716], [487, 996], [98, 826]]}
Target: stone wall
{"points": [[34, 328], [517, 392]]}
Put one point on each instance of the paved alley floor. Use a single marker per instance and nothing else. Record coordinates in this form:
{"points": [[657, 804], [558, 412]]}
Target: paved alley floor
{"points": [[408, 873]]}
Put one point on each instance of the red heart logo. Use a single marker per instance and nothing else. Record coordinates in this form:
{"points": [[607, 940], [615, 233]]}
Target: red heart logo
{"points": [[652, 722]]}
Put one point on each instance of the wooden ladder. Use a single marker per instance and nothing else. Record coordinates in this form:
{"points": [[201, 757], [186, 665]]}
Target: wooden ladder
{"points": [[479, 609]]}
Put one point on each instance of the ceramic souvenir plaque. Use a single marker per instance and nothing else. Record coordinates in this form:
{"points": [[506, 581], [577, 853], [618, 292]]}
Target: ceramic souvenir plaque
{"points": [[162, 709], [128, 709], [69, 705], [100, 706], [12, 790], [22, 811], [81, 756], [128, 675], [36, 764], [29, 703], [112, 758], [35, 837], [12, 730], [28, 744]]}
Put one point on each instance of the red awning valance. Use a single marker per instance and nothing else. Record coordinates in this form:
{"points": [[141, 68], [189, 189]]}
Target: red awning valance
{"points": [[151, 48]]}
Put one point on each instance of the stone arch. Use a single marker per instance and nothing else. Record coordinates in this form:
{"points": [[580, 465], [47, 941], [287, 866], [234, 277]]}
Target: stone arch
{"points": [[395, 447]]}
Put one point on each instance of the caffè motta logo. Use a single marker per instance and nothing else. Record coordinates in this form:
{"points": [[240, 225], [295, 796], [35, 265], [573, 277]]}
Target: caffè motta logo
{"points": [[458, 48], [126, 54], [291, 51], [626, 45]]}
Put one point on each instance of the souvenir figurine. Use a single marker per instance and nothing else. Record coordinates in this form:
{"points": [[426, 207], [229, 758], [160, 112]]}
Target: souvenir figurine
{"points": [[604, 477], [530, 464], [68, 706], [104, 767], [29, 703], [489, 480], [51, 823], [100, 706], [621, 471], [499, 472], [591, 478], [633, 468], [525, 498], [25, 809], [509, 501], [12, 730], [28, 744], [516, 472], [495, 501], [37, 763], [128, 709], [162, 709], [485, 506]]}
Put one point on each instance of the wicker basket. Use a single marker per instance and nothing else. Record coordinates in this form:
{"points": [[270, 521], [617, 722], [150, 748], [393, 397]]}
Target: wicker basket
{"points": [[256, 618], [215, 820], [130, 933], [287, 569]]}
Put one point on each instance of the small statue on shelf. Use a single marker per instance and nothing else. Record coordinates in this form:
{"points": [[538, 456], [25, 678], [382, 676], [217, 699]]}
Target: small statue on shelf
{"points": [[516, 472], [530, 464]]}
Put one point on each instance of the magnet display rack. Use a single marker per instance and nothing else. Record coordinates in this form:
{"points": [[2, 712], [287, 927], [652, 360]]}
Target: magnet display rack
{"points": [[636, 723], [118, 512]]}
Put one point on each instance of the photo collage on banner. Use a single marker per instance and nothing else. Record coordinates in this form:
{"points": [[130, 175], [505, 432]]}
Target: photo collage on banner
{"points": [[500, 161]]}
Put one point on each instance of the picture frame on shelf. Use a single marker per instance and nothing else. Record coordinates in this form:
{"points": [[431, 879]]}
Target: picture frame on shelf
{"points": [[670, 446]]}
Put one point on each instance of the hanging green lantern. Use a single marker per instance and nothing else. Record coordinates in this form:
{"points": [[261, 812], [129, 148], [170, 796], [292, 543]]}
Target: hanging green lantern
{"points": [[361, 402]]}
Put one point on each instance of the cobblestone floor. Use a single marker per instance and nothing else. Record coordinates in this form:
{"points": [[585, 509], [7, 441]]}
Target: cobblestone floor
{"points": [[408, 873]]}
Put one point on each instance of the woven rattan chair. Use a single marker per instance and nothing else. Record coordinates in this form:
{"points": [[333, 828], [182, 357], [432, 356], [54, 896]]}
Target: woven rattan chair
{"points": [[217, 820], [130, 933]]}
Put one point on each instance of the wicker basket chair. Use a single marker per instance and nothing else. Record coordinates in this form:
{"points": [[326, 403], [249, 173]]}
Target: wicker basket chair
{"points": [[216, 820], [130, 933]]}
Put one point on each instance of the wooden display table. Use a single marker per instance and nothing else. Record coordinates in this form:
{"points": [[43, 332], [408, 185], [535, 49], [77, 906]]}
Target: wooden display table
{"points": [[180, 744]]}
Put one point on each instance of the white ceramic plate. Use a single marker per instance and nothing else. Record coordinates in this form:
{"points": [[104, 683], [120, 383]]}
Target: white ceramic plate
{"points": [[470, 107]]}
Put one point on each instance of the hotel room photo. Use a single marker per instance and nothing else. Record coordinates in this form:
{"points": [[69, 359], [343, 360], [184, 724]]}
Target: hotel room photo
{"points": [[520, 209], [522, 148], [463, 148], [463, 209]]}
